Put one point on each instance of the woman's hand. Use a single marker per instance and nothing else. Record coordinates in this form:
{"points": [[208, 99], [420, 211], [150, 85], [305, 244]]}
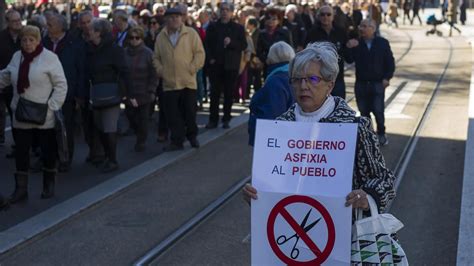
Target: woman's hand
{"points": [[249, 192], [358, 199]]}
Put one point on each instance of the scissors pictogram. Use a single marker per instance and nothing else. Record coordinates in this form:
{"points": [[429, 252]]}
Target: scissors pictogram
{"points": [[283, 239]]}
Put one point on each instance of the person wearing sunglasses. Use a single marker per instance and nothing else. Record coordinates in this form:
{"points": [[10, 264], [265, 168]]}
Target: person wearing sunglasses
{"points": [[313, 73], [144, 81], [324, 30]]}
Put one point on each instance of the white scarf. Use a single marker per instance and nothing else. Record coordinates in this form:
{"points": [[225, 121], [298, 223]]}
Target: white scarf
{"points": [[324, 111]]}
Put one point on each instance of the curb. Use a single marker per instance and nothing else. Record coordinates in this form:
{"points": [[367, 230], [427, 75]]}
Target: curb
{"points": [[47, 220], [465, 255]]}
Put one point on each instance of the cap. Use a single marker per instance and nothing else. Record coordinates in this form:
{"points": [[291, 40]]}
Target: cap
{"points": [[173, 11]]}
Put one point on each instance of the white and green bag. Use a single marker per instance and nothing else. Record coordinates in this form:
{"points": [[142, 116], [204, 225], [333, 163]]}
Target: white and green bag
{"points": [[372, 241]]}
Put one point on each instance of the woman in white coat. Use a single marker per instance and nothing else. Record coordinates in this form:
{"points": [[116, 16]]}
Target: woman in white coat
{"points": [[36, 75]]}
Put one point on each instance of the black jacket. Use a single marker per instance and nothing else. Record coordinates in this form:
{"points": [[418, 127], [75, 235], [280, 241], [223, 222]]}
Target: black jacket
{"points": [[226, 57], [106, 64], [71, 53], [338, 37], [265, 41], [297, 31], [375, 64], [7, 48]]}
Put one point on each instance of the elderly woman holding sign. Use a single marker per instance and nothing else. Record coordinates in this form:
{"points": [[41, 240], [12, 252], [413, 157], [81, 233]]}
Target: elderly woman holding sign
{"points": [[313, 72]]}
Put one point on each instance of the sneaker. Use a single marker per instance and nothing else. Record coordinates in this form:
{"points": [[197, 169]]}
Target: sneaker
{"points": [[383, 140]]}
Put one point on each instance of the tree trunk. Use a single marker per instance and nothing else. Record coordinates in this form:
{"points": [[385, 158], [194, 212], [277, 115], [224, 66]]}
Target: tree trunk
{"points": [[3, 9]]}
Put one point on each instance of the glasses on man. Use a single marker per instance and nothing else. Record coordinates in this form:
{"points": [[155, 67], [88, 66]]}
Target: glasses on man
{"points": [[313, 81], [323, 14], [153, 23], [136, 38]]}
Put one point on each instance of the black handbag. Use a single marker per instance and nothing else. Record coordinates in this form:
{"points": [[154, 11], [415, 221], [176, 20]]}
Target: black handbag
{"points": [[31, 112], [104, 95], [61, 137]]}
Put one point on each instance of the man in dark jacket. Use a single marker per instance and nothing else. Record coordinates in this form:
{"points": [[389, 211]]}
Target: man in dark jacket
{"points": [[375, 66], [9, 44], [225, 41], [324, 30], [71, 53], [295, 26]]}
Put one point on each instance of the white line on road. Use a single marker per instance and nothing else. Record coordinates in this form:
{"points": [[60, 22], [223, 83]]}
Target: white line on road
{"points": [[397, 106]]}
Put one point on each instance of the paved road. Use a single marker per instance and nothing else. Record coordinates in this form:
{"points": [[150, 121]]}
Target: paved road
{"points": [[122, 228], [82, 176], [429, 196]]}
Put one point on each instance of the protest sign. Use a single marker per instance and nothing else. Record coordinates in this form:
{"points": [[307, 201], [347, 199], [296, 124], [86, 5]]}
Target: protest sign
{"points": [[303, 172]]}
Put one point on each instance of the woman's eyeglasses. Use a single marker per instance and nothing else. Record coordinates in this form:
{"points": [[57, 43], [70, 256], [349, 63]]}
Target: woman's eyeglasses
{"points": [[325, 14], [135, 38], [311, 80], [153, 23]]}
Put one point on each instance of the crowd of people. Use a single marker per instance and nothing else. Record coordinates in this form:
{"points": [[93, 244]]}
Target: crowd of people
{"points": [[175, 57]]}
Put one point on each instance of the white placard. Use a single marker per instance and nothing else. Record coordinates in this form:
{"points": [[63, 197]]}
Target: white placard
{"points": [[302, 172]]}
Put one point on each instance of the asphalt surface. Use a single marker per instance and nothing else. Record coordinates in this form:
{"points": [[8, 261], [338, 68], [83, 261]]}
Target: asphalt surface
{"points": [[82, 175], [428, 199], [119, 230]]}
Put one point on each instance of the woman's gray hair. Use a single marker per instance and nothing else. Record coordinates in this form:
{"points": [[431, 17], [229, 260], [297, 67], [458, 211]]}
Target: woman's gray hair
{"points": [[280, 52], [103, 26], [323, 53]]}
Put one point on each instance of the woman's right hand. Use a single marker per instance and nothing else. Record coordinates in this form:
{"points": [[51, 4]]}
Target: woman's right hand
{"points": [[249, 192]]}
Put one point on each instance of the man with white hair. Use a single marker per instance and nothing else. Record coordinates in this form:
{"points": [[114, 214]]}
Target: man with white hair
{"points": [[324, 30], [9, 44], [225, 41], [71, 53], [295, 26], [121, 23], [374, 68]]}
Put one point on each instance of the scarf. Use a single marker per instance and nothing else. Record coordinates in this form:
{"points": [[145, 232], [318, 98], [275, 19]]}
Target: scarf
{"points": [[283, 68], [23, 80], [323, 112]]}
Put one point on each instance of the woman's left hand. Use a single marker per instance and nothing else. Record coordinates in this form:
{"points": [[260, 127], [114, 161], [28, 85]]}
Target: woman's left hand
{"points": [[358, 199]]}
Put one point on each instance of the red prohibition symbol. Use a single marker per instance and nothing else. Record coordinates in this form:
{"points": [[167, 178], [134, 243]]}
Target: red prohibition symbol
{"points": [[321, 255]]}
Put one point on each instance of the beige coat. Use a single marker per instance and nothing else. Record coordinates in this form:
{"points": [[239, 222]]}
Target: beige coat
{"points": [[178, 65], [46, 75]]}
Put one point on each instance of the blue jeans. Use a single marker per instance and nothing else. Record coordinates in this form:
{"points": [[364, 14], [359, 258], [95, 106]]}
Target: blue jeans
{"points": [[370, 98]]}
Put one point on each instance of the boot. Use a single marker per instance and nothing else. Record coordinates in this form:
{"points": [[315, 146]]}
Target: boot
{"points": [[49, 179], [111, 164], [21, 188]]}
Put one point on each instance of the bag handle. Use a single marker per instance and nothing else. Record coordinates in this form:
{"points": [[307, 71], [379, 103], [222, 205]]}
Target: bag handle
{"points": [[374, 211]]}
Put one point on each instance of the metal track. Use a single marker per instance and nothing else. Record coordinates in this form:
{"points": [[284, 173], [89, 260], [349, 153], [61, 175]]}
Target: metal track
{"points": [[215, 205], [407, 153]]}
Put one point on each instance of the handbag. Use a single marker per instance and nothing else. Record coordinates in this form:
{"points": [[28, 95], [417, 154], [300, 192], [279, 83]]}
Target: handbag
{"points": [[372, 239], [104, 95], [31, 112], [61, 137]]}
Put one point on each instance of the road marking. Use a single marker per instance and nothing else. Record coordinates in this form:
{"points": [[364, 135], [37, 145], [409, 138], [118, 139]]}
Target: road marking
{"points": [[397, 106]]}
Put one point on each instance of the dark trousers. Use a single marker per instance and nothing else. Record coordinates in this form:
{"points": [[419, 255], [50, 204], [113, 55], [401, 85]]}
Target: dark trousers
{"points": [[180, 111], [47, 142], [91, 134], [255, 79], [5, 100], [138, 119], [222, 82], [339, 89], [162, 123], [370, 97], [69, 113]]}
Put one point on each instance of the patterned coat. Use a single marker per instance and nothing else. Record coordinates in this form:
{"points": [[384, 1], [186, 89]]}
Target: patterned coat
{"points": [[370, 172]]}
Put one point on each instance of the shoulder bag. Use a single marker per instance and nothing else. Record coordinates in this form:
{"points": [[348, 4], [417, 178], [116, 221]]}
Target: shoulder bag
{"points": [[104, 95], [31, 112], [372, 239]]}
